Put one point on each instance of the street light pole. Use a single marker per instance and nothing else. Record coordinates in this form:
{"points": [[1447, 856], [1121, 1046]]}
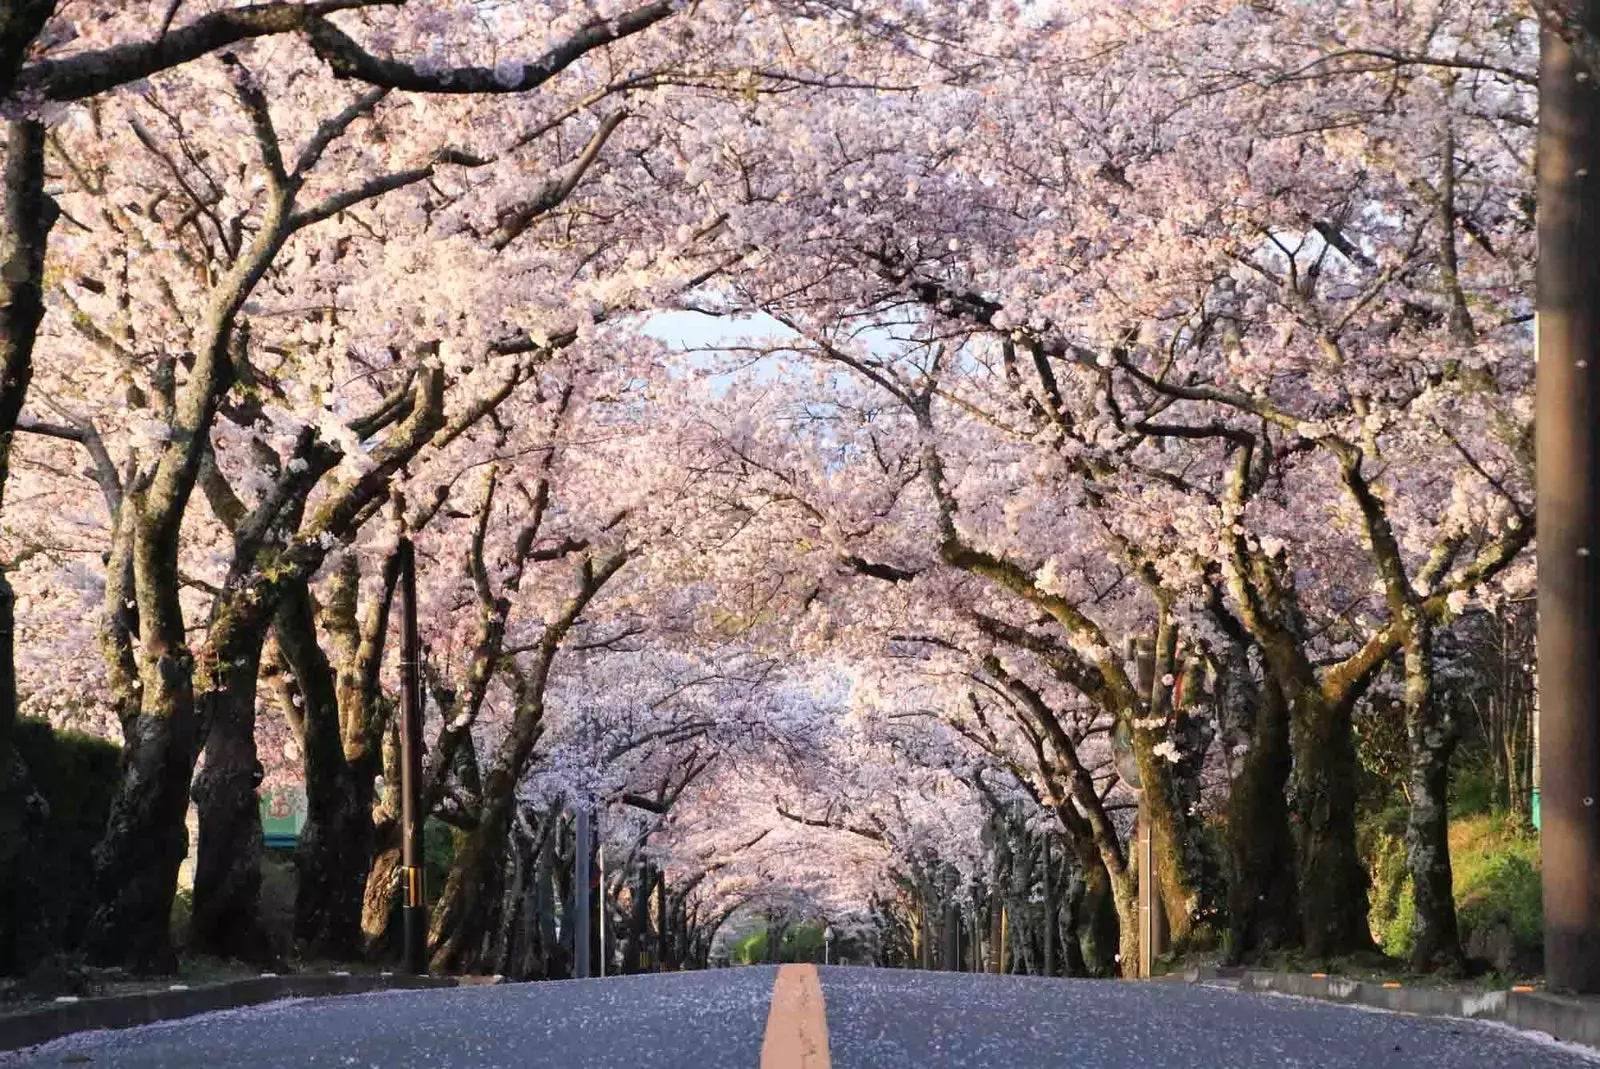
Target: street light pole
{"points": [[414, 914], [1568, 448]]}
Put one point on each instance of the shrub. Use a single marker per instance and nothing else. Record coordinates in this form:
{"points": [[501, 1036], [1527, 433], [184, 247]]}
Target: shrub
{"points": [[49, 894], [278, 885], [1495, 874], [1497, 885]]}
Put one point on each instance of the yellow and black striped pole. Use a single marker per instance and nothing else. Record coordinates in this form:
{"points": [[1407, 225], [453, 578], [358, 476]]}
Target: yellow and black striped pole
{"points": [[414, 914]]}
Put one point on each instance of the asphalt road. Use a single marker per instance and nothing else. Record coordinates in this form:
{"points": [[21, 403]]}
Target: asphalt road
{"points": [[874, 1020]]}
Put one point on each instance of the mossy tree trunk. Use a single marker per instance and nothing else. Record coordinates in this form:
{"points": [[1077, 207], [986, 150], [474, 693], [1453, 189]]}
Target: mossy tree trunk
{"points": [[335, 849], [1431, 739], [227, 878], [1333, 882], [1263, 909], [1253, 716]]}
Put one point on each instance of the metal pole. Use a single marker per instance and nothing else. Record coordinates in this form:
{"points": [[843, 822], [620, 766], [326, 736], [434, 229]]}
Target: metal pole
{"points": [[1050, 915], [600, 853], [1569, 515], [1147, 895], [414, 914], [581, 858]]}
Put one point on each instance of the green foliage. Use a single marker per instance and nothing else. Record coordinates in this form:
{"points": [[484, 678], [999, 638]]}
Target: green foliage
{"points": [[1379, 730], [1472, 789], [1495, 872], [1382, 842], [438, 852], [182, 916], [1395, 936], [801, 942], [1497, 879], [750, 950]]}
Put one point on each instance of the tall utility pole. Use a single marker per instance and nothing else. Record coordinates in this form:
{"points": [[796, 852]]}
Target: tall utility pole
{"points": [[663, 943], [1569, 507], [414, 914], [600, 855], [582, 857]]}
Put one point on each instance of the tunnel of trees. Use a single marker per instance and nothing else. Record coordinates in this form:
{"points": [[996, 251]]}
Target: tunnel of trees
{"points": [[869, 453]]}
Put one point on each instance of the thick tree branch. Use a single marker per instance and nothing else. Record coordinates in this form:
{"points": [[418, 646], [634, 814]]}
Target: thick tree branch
{"points": [[347, 59]]}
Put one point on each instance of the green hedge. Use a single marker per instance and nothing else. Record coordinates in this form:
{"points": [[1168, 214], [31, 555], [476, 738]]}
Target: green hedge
{"points": [[47, 896]]}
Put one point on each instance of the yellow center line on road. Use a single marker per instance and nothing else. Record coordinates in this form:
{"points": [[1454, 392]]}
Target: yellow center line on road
{"points": [[797, 1023]]}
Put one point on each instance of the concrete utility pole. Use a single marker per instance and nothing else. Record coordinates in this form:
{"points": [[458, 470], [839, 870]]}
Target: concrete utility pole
{"points": [[414, 914], [581, 860], [600, 855], [1569, 507]]}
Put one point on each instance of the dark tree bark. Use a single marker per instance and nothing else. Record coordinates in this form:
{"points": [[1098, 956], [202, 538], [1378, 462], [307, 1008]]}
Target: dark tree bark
{"points": [[343, 728], [1333, 883], [1430, 731], [1263, 912], [136, 865], [227, 877], [28, 215]]}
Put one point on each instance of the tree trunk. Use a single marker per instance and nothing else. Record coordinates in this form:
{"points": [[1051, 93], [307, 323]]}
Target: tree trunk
{"points": [[334, 862], [1430, 738], [1093, 921], [464, 914], [662, 944], [227, 878], [1332, 882], [466, 904], [136, 864], [1074, 922], [1262, 908], [1165, 805], [334, 856], [632, 961], [380, 898], [28, 216]]}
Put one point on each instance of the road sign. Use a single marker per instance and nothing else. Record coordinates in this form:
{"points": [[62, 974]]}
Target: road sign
{"points": [[283, 814]]}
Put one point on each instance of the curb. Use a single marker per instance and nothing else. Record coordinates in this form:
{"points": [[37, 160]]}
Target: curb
{"points": [[31, 1028], [1572, 1020]]}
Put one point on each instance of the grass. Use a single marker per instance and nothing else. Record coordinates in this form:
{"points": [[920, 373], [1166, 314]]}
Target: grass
{"points": [[1496, 875], [1495, 870]]}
